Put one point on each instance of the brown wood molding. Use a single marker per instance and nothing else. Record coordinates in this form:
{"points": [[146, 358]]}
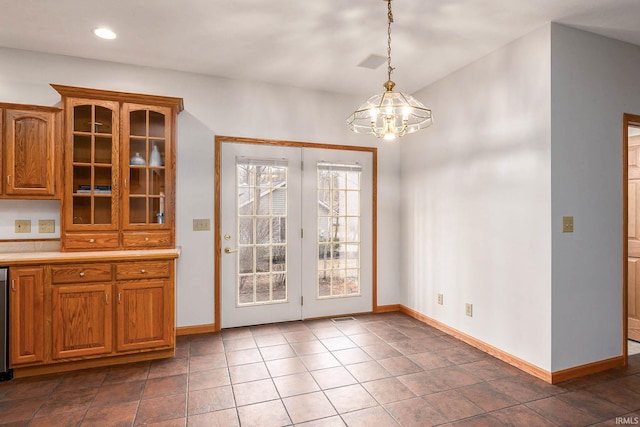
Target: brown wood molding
{"points": [[29, 107], [481, 345], [387, 308], [91, 363], [110, 95], [550, 377], [197, 329], [588, 369]]}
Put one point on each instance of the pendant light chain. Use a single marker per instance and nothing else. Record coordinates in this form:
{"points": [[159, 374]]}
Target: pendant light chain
{"points": [[390, 20]]}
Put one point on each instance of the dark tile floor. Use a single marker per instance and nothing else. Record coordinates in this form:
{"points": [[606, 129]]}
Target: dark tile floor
{"points": [[376, 370]]}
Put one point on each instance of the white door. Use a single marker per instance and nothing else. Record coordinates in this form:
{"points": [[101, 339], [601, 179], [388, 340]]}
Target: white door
{"points": [[289, 232], [337, 222]]}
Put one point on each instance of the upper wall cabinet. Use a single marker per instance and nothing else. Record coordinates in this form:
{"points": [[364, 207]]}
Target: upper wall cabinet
{"points": [[30, 156], [119, 170]]}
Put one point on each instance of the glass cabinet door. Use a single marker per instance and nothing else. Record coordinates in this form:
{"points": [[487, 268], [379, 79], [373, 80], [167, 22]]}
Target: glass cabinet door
{"points": [[147, 132], [94, 165]]}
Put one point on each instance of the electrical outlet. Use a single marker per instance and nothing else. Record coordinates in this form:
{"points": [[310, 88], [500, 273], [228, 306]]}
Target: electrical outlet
{"points": [[201, 224], [440, 299], [46, 226], [567, 224], [23, 226], [469, 310]]}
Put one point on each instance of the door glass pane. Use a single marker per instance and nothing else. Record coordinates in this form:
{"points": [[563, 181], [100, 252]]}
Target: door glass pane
{"points": [[338, 236], [261, 194]]}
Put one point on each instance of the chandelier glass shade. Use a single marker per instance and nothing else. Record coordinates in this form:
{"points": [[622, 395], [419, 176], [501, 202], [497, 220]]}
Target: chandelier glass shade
{"points": [[391, 114]]}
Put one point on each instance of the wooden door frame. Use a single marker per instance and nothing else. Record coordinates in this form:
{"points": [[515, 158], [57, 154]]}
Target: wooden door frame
{"points": [[627, 120], [219, 139]]}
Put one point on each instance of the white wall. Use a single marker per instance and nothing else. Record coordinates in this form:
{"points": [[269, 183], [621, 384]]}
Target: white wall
{"points": [[594, 81], [214, 106], [476, 201]]}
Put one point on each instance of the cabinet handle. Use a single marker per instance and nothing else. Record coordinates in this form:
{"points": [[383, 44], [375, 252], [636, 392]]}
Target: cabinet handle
{"points": [[13, 285], [142, 271], [8, 179], [82, 274], [125, 183], [146, 239], [92, 240], [106, 298], [119, 295]]}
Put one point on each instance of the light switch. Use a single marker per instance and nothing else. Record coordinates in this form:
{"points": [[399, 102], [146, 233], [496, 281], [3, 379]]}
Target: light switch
{"points": [[567, 224]]}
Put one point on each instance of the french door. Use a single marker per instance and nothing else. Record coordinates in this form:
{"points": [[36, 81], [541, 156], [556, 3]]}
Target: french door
{"points": [[296, 233]]}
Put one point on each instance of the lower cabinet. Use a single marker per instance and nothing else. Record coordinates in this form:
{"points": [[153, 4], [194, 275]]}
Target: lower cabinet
{"points": [[144, 315], [87, 310], [26, 315], [82, 320]]}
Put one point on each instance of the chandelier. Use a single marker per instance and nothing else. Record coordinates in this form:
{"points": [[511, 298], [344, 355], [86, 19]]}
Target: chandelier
{"points": [[391, 114]]}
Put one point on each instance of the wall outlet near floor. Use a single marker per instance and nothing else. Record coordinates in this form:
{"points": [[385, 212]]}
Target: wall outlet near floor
{"points": [[201, 224], [440, 299], [469, 310], [23, 226], [46, 226]]}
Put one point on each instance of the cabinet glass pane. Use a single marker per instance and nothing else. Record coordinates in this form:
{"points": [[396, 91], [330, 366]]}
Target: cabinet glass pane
{"points": [[156, 210], [156, 182], [138, 123], [156, 155], [81, 179], [102, 181], [138, 152], [138, 180], [156, 125], [81, 210], [103, 120], [82, 148], [82, 118], [103, 149], [137, 210], [102, 210]]}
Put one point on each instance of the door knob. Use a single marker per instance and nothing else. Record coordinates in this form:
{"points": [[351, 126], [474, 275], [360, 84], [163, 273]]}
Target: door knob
{"points": [[228, 250]]}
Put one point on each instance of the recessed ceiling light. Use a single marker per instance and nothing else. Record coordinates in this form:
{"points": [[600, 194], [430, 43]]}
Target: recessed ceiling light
{"points": [[104, 33]]}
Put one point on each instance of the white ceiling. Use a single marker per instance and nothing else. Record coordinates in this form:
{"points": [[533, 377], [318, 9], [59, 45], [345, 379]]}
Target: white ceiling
{"points": [[305, 43]]}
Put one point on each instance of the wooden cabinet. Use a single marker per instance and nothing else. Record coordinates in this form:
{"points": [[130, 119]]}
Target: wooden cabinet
{"points": [[26, 315], [82, 320], [76, 312], [144, 315], [30, 156], [120, 170]]}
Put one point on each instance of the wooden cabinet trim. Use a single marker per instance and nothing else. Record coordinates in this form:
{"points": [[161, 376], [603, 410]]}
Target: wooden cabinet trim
{"points": [[79, 92]]}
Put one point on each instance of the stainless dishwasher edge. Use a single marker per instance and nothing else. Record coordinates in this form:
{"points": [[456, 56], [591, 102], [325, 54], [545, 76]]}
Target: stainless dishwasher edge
{"points": [[5, 372]]}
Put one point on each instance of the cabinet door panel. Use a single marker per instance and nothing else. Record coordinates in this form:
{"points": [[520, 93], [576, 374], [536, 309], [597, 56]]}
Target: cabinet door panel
{"points": [[92, 167], [26, 315], [144, 315], [30, 153], [82, 320], [148, 167]]}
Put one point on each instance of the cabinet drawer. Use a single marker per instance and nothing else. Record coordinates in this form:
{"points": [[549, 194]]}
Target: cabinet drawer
{"points": [[147, 239], [91, 241], [142, 270], [81, 273]]}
